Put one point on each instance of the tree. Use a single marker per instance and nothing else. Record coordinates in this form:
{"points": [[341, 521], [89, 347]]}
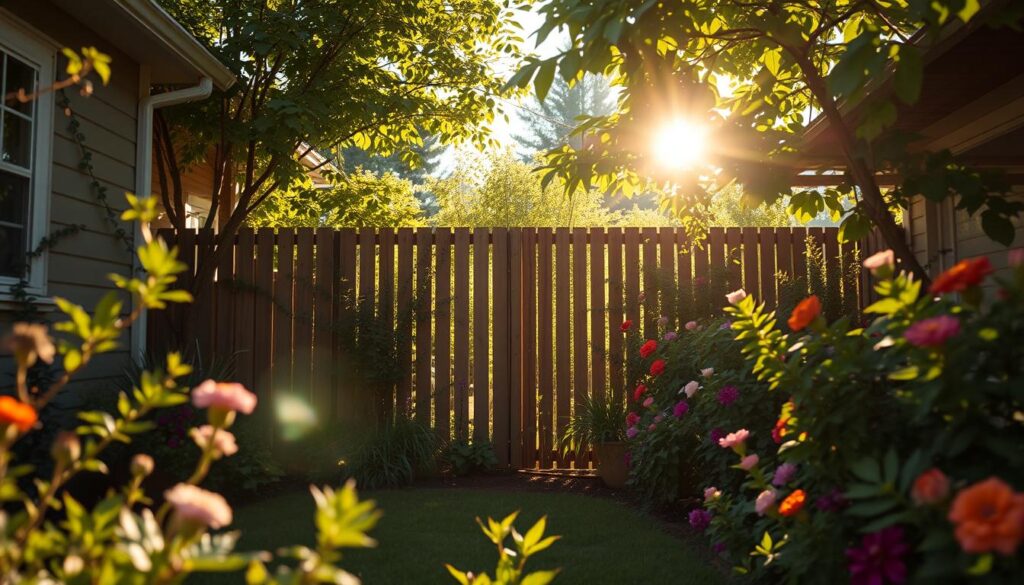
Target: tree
{"points": [[499, 190], [782, 60], [550, 121], [416, 162], [379, 75], [358, 199]]}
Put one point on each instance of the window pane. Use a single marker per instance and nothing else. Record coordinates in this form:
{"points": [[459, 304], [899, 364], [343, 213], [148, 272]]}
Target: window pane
{"points": [[12, 251], [19, 76], [13, 199], [17, 140]]}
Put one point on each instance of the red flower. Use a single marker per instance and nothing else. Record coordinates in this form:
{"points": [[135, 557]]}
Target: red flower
{"points": [[658, 367], [804, 313], [626, 325], [931, 487], [961, 277], [793, 503], [648, 348], [639, 392], [632, 418]]}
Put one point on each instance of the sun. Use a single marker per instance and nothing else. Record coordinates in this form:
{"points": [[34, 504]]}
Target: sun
{"points": [[679, 144]]}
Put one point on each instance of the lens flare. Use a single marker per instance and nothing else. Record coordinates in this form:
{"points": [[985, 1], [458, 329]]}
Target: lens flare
{"points": [[679, 144], [295, 416]]}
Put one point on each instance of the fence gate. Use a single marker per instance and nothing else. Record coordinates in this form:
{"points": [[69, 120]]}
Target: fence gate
{"points": [[495, 334]]}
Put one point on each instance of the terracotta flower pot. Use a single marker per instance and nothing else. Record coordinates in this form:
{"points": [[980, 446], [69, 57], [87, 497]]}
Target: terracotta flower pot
{"points": [[611, 463]]}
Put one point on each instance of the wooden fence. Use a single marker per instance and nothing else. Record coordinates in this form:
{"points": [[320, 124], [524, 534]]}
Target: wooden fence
{"points": [[504, 330]]}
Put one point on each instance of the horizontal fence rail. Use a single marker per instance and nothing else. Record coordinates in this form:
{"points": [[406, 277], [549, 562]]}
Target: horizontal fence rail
{"points": [[492, 334]]}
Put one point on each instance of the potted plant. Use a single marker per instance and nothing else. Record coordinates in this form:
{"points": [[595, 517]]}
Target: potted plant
{"points": [[600, 423]]}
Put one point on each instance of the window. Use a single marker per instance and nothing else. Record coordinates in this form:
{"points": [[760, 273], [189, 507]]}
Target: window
{"points": [[26, 64]]}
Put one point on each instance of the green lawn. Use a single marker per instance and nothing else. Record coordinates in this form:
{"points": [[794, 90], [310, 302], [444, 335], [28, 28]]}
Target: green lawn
{"points": [[602, 541]]}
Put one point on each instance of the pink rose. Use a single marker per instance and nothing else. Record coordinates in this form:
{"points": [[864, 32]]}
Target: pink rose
{"points": [[648, 401], [748, 462], [736, 296], [932, 332], [707, 372], [194, 504], [765, 500], [223, 441], [691, 325], [223, 395], [711, 493], [691, 388], [734, 439], [885, 258]]}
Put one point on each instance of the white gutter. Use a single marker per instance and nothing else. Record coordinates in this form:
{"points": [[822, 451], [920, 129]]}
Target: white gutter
{"points": [[144, 172]]}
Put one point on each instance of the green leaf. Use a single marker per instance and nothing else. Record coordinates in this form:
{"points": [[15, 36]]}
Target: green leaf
{"points": [[545, 76], [997, 227], [909, 73], [867, 470], [539, 578], [905, 374]]}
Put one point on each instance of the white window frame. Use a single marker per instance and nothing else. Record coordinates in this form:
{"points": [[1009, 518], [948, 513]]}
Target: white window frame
{"points": [[29, 45]]}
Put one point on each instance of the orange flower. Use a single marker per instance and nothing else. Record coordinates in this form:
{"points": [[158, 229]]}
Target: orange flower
{"points": [[17, 413], [989, 516], [963, 276], [931, 487], [793, 503], [804, 313]]}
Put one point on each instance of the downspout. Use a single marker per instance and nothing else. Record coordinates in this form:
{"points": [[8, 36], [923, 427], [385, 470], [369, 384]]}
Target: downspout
{"points": [[144, 172]]}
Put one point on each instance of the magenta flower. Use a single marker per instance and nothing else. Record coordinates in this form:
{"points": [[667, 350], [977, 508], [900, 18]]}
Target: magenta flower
{"points": [[932, 332], [648, 401], [831, 502], [680, 409], [716, 435], [670, 336], [879, 558], [783, 474], [691, 325], [700, 519], [728, 394], [632, 432]]}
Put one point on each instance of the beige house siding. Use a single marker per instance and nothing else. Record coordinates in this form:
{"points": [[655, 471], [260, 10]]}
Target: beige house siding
{"points": [[79, 264], [971, 241]]}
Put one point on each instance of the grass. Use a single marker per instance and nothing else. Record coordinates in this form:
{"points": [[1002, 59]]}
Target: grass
{"points": [[602, 541]]}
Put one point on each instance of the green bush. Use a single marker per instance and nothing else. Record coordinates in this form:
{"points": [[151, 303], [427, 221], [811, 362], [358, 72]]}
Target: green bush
{"points": [[464, 457], [392, 455]]}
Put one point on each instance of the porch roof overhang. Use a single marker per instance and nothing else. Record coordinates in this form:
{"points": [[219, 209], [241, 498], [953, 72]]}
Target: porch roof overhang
{"points": [[971, 103], [146, 33]]}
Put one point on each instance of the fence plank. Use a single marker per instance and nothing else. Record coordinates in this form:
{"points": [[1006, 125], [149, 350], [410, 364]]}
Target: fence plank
{"points": [[324, 322], [633, 277], [500, 317], [284, 281], [346, 405], [545, 370], [685, 272], [460, 302], [404, 320], [702, 277], [783, 251], [766, 237], [580, 372], [598, 313], [649, 235], [204, 306], [263, 322], [799, 237], [481, 337], [224, 342], [515, 350], [367, 268], [717, 269], [562, 348], [615, 317], [303, 315], [667, 275], [244, 307], [422, 383], [733, 244], [386, 276], [751, 283], [442, 332], [529, 359]]}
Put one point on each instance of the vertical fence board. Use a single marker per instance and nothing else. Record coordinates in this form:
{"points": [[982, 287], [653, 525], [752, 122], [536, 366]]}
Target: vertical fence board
{"points": [[799, 237], [615, 316], [766, 236], [386, 276], [783, 251], [651, 284], [515, 350], [832, 258], [284, 281], [500, 398], [701, 275], [633, 276], [460, 302], [367, 267], [666, 272], [442, 332], [562, 347], [580, 371], [324, 321], [204, 298], [598, 313], [245, 283], [345, 405], [716, 249], [263, 323], [422, 384], [225, 299], [529, 358], [405, 318], [733, 243], [303, 322], [685, 275], [481, 338], [545, 377], [176, 316]]}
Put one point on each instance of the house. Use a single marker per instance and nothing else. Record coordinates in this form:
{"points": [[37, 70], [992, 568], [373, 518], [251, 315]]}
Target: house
{"points": [[53, 180], [972, 103]]}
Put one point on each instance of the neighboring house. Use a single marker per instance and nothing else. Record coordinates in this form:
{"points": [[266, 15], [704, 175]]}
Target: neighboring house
{"points": [[40, 161], [972, 103]]}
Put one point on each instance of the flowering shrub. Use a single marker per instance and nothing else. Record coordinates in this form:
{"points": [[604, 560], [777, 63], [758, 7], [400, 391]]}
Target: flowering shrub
{"points": [[898, 452]]}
